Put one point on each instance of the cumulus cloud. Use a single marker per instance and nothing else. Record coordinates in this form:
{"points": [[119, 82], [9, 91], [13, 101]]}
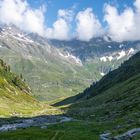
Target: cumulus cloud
{"points": [[88, 26], [19, 13], [137, 5], [67, 14], [123, 26], [60, 30], [61, 27]]}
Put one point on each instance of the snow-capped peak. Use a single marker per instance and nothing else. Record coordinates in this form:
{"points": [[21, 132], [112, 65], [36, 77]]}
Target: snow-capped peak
{"points": [[131, 51], [117, 55], [106, 58], [121, 54], [70, 57]]}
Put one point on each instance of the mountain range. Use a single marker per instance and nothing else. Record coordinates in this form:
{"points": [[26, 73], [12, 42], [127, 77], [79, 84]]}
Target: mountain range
{"points": [[93, 87], [59, 69]]}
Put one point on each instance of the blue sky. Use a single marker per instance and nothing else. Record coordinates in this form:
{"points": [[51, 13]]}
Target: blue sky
{"points": [[98, 6]]}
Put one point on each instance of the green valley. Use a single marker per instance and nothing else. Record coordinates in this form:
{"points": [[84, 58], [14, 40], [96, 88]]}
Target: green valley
{"points": [[82, 86], [16, 98], [106, 107]]}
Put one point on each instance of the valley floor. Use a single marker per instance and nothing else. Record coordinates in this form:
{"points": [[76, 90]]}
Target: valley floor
{"points": [[64, 131], [62, 128]]}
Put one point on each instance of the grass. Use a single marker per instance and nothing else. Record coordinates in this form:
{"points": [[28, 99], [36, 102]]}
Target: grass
{"points": [[16, 98], [65, 131], [118, 101], [76, 130], [115, 110]]}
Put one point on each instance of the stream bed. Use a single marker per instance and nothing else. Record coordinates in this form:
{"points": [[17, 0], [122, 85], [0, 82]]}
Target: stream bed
{"points": [[41, 121]]}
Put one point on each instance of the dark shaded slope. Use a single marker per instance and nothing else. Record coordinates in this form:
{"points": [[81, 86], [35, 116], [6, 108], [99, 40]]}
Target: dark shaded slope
{"points": [[115, 97], [127, 70]]}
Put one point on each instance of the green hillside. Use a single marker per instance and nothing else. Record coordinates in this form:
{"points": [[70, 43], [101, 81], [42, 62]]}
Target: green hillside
{"points": [[126, 71], [115, 110], [114, 100], [15, 98], [118, 91]]}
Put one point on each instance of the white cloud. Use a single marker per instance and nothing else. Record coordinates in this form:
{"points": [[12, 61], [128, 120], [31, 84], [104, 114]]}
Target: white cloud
{"points": [[88, 26], [67, 14], [34, 21], [19, 13], [59, 31], [123, 26], [137, 5], [61, 27]]}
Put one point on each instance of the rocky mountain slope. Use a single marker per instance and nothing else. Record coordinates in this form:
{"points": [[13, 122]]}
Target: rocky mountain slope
{"points": [[45, 70], [58, 69], [101, 47]]}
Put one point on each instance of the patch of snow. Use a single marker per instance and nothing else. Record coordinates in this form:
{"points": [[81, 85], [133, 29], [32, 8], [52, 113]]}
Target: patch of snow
{"points": [[61, 54], [23, 39], [131, 51], [77, 60], [29, 40], [102, 73], [70, 56], [109, 47], [110, 58], [20, 35], [121, 54], [104, 59]]}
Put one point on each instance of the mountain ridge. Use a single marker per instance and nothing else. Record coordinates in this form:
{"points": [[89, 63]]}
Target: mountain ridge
{"points": [[53, 71], [116, 95]]}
